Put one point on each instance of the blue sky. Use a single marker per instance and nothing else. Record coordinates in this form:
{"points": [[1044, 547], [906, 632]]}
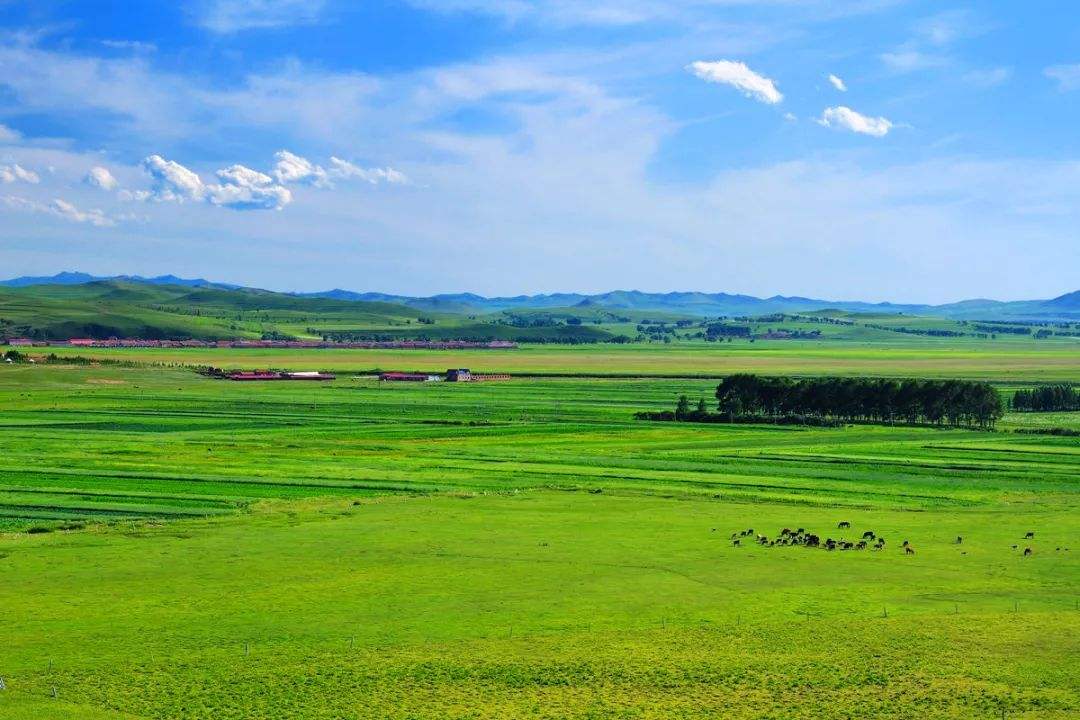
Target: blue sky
{"points": [[870, 149]]}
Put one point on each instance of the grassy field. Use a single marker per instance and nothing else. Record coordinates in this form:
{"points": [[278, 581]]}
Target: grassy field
{"points": [[1014, 360], [524, 549]]}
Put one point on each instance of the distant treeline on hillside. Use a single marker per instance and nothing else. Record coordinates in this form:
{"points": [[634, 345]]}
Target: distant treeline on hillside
{"points": [[1048, 398], [956, 402]]}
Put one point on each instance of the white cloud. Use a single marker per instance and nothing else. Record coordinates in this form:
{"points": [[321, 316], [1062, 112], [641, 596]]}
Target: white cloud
{"points": [[345, 169], [845, 117], [291, 168], [101, 178], [229, 16], [907, 60], [241, 188], [8, 135], [66, 210], [1067, 76], [739, 76], [17, 173], [172, 181], [948, 27], [245, 189], [59, 208], [837, 83]]}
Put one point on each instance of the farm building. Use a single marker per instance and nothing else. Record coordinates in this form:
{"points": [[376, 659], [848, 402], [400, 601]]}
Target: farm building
{"points": [[20, 342], [452, 375], [274, 375], [254, 375], [405, 377]]}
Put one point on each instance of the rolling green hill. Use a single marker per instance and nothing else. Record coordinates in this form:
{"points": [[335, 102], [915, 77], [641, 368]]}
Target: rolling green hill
{"points": [[135, 309], [126, 309]]}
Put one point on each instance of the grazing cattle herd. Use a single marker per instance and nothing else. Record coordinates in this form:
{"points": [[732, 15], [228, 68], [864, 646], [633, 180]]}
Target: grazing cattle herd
{"points": [[870, 540]]}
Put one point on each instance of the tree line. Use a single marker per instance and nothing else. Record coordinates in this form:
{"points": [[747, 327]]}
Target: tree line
{"points": [[1047, 398], [935, 402]]}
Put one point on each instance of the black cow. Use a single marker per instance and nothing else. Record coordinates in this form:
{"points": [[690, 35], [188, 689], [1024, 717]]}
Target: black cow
{"points": [[1027, 551], [843, 524], [1030, 534]]}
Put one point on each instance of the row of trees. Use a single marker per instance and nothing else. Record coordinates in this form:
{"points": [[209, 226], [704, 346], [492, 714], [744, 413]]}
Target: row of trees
{"points": [[1047, 398], [937, 402]]}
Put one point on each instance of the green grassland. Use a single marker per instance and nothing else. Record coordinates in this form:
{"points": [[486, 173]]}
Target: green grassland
{"points": [[1017, 361], [209, 549], [126, 309]]}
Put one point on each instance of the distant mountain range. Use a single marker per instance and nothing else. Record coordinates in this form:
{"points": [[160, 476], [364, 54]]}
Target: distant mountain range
{"points": [[1065, 307], [699, 304], [81, 278]]}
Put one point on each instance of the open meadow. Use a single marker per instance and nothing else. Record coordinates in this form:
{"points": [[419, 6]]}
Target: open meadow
{"points": [[1012, 360], [176, 546]]}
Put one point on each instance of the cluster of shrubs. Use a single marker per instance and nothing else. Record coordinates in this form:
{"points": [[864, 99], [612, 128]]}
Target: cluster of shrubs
{"points": [[1059, 431], [935, 402], [1047, 398], [832, 401]]}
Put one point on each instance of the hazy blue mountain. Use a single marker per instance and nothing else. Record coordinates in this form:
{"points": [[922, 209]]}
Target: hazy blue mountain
{"points": [[700, 304], [80, 278]]}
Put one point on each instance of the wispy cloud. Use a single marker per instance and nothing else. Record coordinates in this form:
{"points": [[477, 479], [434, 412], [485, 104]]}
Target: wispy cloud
{"points": [[17, 173], [1066, 76], [230, 16], [634, 12], [59, 208], [987, 78], [739, 76], [946, 28], [134, 46], [848, 119], [7, 135], [911, 60], [345, 169], [837, 83]]}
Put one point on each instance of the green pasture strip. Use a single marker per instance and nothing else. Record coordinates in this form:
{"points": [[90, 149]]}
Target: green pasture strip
{"points": [[582, 604], [1011, 362]]}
